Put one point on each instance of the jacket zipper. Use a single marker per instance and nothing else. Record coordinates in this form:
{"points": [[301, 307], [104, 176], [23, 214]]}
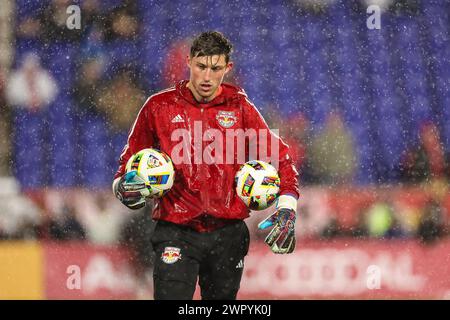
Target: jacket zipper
{"points": [[205, 191]]}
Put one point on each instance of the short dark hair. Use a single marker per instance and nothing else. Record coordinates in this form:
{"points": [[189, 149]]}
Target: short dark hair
{"points": [[210, 43]]}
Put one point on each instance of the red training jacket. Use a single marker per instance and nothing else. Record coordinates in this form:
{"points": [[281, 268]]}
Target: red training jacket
{"points": [[203, 195]]}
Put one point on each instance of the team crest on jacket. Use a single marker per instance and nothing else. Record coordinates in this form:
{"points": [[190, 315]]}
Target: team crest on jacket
{"points": [[171, 255], [226, 118]]}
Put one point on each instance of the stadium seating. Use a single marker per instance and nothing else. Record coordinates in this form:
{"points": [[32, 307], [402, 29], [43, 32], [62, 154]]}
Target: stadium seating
{"points": [[384, 82]]}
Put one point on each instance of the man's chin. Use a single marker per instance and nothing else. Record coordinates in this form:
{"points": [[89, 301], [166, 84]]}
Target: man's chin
{"points": [[206, 95]]}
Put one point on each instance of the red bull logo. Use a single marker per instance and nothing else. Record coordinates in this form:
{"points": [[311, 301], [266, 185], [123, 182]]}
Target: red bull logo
{"points": [[171, 255], [226, 118]]}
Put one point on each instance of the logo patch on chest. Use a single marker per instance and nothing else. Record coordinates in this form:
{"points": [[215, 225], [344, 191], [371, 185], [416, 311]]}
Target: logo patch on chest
{"points": [[226, 119]]}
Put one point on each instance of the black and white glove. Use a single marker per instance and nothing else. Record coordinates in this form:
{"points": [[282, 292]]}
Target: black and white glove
{"points": [[131, 190]]}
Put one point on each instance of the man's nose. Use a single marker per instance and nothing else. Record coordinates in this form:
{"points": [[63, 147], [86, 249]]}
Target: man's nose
{"points": [[207, 76]]}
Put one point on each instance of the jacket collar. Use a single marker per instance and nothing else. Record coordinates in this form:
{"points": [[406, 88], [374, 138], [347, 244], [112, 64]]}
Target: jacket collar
{"points": [[228, 92]]}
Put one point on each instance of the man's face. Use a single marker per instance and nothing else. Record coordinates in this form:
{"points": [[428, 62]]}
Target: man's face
{"points": [[207, 74]]}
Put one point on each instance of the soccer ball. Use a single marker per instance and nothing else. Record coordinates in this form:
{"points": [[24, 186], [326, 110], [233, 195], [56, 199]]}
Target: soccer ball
{"points": [[257, 184], [156, 168]]}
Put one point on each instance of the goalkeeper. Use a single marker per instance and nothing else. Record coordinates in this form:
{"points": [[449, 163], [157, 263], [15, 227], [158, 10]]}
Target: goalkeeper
{"points": [[200, 231]]}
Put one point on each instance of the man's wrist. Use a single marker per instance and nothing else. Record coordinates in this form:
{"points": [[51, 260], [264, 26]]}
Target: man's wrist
{"points": [[287, 201]]}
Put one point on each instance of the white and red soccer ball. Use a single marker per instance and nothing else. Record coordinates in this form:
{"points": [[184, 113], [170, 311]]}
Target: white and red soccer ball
{"points": [[257, 184], [156, 168]]}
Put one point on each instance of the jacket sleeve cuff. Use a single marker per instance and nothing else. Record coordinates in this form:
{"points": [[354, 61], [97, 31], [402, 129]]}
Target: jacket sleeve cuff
{"points": [[287, 202], [115, 185]]}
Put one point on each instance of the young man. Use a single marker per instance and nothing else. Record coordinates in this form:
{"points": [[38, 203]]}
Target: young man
{"points": [[200, 230]]}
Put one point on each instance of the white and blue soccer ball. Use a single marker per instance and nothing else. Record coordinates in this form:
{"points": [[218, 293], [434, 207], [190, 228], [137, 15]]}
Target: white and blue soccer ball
{"points": [[156, 168], [257, 184]]}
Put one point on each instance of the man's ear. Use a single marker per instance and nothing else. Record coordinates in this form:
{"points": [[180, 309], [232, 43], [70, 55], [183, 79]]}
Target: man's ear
{"points": [[230, 66], [188, 61]]}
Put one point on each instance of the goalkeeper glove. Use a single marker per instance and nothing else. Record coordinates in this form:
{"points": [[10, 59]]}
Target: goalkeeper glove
{"points": [[281, 239], [131, 190]]}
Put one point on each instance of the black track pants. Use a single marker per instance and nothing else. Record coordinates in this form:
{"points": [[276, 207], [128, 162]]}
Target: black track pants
{"points": [[184, 255]]}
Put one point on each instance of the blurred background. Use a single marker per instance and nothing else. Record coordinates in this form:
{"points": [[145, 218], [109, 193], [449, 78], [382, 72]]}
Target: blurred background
{"points": [[366, 112]]}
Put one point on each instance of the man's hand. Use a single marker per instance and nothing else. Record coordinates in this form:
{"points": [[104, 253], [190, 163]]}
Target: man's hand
{"points": [[281, 238], [131, 190]]}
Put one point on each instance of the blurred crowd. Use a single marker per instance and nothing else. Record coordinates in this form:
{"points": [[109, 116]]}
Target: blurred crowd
{"points": [[380, 212], [76, 215], [109, 87]]}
